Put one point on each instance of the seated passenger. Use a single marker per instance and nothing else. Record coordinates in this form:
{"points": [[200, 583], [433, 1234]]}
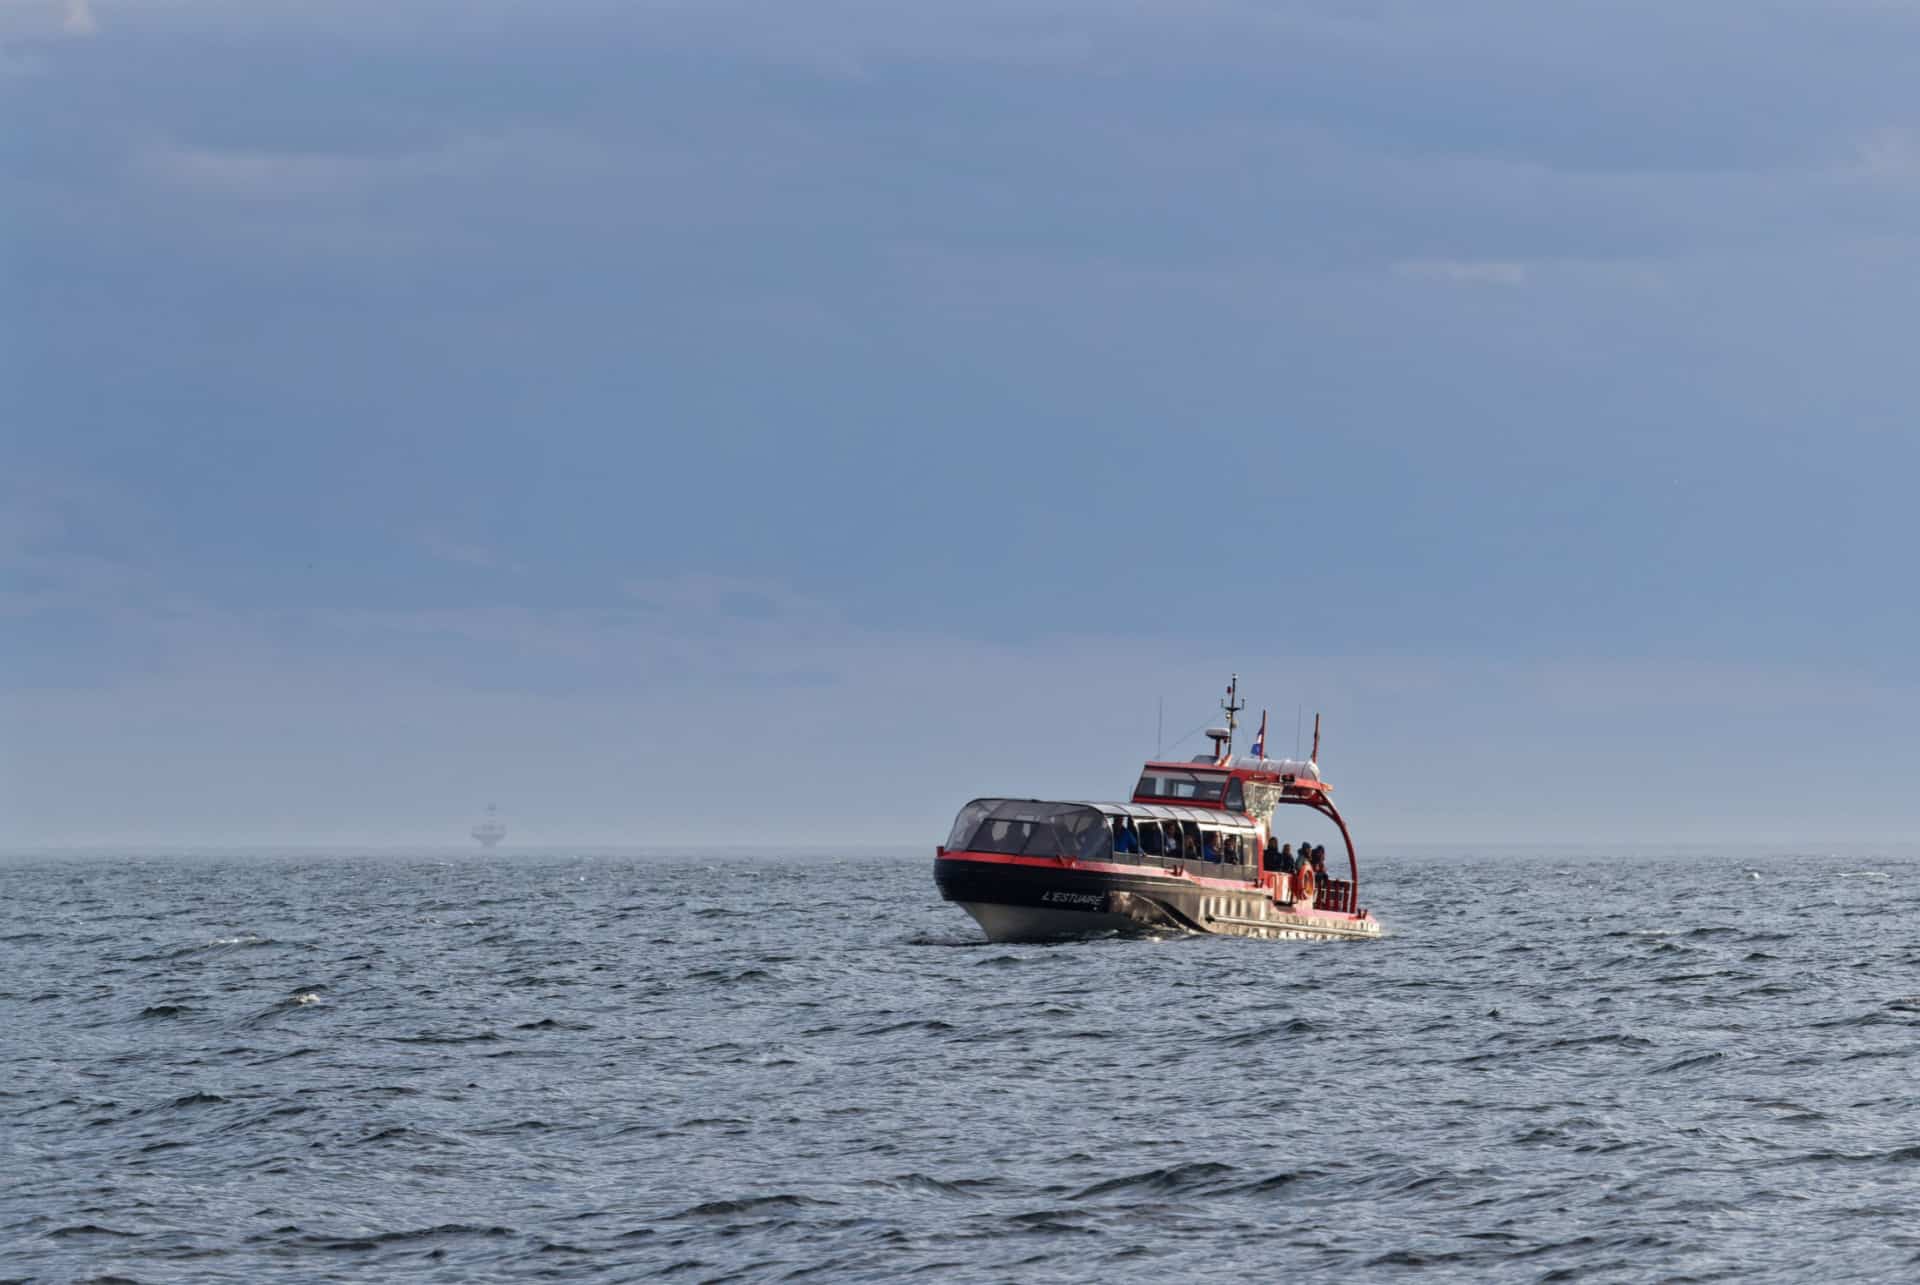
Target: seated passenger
{"points": [[1127, 840], [1208, 850], [1189, 843]]}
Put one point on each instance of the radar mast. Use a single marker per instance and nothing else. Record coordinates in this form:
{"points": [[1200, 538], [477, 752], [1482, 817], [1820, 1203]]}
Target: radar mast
{"points": [[1222, 737]]}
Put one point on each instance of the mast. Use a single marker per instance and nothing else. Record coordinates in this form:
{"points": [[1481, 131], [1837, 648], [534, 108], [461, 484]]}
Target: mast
{"points": [[1222, 737], [1233, 705]]}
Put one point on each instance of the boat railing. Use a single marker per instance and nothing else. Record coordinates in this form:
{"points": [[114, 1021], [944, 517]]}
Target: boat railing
{"points": [[1335, 895]]}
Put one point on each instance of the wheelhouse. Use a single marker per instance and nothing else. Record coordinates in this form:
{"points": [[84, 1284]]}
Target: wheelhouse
{"points": [[1181, 783]]}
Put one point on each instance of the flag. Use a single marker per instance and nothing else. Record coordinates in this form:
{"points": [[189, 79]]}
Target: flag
{"points": [[1260, 741]]}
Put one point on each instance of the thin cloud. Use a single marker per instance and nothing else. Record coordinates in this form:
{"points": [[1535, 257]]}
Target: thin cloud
{"points": [[1889, 155], [1465, 272], [464, 553], [270, 174]]}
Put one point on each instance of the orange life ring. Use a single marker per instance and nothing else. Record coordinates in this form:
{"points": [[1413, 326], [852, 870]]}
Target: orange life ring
{"points": [[1303, 884]]}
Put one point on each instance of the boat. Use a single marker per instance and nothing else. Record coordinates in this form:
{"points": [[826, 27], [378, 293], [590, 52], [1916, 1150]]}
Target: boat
{"points": [[1191, 852], [491, 828]]}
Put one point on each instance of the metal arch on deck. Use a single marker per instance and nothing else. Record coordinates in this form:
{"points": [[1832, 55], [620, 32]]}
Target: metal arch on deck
{"points": [[1322, 804]]}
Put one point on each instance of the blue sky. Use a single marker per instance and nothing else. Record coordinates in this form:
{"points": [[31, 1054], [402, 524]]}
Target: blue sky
{"points": [[725, 422]]}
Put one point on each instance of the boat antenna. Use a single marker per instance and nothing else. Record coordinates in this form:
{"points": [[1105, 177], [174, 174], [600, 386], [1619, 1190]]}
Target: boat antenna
{"points": [[1315, 756], [1233, 705]]}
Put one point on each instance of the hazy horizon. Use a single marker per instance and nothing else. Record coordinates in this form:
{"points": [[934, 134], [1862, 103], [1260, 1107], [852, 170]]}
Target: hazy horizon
{"points": [[723, 423], [1897, 850]]}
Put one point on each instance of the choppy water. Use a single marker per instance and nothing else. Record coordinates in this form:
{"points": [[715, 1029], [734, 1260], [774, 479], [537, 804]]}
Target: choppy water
{"points": [[603, 1069]]}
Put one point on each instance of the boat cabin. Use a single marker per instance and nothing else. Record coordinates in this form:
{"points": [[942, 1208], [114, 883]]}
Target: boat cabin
{"points": [[1136, 834]]}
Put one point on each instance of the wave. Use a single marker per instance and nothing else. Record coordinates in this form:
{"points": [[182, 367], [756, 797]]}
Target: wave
{"points": [[752, 1204], [1174, 1178]]}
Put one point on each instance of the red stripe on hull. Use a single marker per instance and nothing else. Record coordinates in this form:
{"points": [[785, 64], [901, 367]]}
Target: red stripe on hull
{"points": [[1115, 868]]}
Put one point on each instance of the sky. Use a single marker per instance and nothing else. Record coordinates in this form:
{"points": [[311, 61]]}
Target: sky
{"points": [[727, 422]]}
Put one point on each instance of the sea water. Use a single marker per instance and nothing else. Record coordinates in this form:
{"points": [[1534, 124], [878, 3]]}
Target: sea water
{"points": [[1598, 1067]]}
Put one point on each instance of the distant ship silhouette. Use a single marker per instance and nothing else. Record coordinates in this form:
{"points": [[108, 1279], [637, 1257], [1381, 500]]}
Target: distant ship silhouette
{"points": [[491, 828]]}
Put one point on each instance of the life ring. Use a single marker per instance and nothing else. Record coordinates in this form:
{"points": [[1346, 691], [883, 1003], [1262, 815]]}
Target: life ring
{"points": [[1303, 885]]}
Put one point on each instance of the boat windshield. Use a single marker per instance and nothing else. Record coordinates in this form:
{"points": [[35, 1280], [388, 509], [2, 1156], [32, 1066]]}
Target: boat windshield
{"points": [[1180, 785], [1031, 828]]}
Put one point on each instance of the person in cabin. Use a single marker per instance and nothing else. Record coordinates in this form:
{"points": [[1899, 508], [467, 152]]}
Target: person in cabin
{"points": [[1209, 850], [1127, 841], [1190, 841]]}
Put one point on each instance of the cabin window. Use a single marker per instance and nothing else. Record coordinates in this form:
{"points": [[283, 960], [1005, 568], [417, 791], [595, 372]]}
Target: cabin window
{"points": [[1236, 800], [1183, 786], [967, 824], [1022, 827], [1149, 837], [1261, 800], [1031, 838]]}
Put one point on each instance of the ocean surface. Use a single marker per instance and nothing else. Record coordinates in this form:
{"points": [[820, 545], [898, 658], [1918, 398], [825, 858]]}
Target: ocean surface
{"points": [[599, 1068]]}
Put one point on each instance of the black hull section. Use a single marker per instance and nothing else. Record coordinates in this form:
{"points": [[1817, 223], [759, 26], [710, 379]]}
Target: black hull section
{"points": [[1060, 902]]}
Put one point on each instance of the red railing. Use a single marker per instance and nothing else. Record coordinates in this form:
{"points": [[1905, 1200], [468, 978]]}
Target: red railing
{"points": [[1335, 895]]}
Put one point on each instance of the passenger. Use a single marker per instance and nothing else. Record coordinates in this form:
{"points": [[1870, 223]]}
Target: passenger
{"points": [[1190, 843], [1320, 864], [1208, 852], [1150, 839], [1270, 859], [1285, 862], [1129, 841]]}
